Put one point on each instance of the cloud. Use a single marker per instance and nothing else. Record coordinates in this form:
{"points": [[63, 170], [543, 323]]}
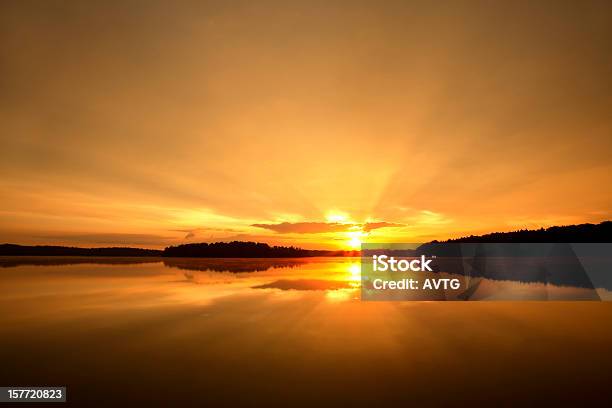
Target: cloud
{"points": [[369, 226], [323, 227], [431, 218], [194, 232], [107, 239], [306, 227]]}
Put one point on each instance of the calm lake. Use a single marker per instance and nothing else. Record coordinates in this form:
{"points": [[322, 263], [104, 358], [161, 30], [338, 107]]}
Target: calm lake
{"points": [[290, 332]]}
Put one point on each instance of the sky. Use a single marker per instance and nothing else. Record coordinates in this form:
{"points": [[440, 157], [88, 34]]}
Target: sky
{"points": [[319, 124]]}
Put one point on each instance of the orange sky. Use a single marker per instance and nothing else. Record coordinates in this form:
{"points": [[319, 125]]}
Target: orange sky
{"points": [[309, 123]]}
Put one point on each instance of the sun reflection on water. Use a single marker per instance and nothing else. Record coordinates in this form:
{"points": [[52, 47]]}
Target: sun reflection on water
{"points": [[354, 272]]}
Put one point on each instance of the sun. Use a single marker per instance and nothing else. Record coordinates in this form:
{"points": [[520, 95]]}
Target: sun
{"points": [[354, 242], [354, 239]]}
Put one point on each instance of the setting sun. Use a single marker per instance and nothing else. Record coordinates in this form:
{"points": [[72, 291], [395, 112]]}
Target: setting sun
{"points": [[355, 239], [262, 203]]}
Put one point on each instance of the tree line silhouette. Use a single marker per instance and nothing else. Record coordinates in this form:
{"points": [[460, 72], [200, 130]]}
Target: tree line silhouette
{"points": [[581, 233], [234, 249], [49, 250], [239, 249]]}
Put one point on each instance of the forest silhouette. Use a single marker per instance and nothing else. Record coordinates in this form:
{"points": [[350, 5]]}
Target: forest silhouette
{"points": [[582, 233]]}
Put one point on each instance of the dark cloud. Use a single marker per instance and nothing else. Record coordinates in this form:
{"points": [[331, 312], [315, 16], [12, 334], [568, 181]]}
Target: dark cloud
{"points": [[306, 227], [323, 227]]}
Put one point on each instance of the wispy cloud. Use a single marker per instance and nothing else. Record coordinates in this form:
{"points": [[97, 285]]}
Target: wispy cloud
{"points": [[106, 239], [369, 226], [198, 232]]}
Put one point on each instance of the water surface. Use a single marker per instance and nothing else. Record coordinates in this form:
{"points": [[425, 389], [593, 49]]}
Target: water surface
{"points": [[291, 332]]}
